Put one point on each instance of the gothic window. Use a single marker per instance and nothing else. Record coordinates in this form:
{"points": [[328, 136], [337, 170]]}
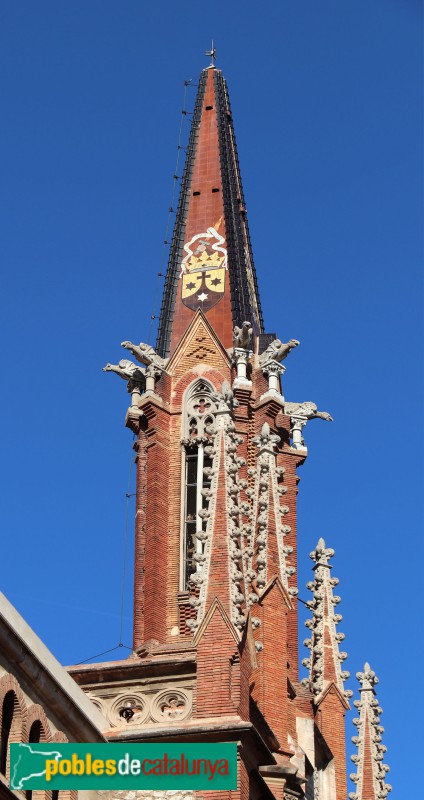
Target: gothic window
{"points": [[199, 408], [195, 480], [6, 724], [199, 425]]}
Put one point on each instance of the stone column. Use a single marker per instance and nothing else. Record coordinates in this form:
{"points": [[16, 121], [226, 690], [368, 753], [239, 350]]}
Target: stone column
{"points": [[272, 370], [135, 392], [297, 425], [241, 358], [152, 374]]}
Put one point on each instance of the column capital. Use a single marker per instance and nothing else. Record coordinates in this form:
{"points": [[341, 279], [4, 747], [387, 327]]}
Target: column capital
{"points": [[272, 367], [241, 356]]}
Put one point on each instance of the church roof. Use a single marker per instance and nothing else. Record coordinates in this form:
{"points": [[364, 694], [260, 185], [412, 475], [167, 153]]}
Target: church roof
{"points": [[210, 262], [36, 666]]}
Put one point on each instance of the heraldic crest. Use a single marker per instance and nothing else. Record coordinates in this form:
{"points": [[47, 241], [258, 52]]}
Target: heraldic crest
{"points": [[203, 270]]}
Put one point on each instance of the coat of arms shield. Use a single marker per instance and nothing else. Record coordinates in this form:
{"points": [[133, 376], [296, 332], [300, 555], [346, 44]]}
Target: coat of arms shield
{"points": [[203, 270]]}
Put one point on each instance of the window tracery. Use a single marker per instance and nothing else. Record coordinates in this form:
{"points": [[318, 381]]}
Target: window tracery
{"points": [[199, 426]]}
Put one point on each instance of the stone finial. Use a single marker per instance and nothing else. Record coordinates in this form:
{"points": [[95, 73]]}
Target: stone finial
{"points": [[322, 554], [368, 679], [325, 660], [266, 438], [277, 351], [370, 777], [224, 399]]}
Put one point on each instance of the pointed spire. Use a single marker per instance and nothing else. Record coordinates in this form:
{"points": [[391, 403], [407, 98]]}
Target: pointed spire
{"points": [[210, 262], [370, 776], [324, 662]]}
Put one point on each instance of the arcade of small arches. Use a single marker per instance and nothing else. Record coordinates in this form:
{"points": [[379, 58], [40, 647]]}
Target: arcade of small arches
{"points": [[22, 723]]}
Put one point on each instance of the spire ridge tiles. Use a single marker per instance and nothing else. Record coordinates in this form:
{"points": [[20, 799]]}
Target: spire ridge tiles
{"points": [[210, 260]]}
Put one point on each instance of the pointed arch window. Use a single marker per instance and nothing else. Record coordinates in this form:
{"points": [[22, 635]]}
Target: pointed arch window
{"points": [[199, 425]]}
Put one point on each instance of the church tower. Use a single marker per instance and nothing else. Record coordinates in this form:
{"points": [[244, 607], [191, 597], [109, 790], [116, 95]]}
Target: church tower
{"points": [[217, 451]]}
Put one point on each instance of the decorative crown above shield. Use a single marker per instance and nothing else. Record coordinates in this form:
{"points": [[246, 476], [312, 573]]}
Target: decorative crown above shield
{"points": [[203, 270]]}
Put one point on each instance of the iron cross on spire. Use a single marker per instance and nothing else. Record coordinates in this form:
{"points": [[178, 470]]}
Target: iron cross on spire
{"points": [[212, 54]]}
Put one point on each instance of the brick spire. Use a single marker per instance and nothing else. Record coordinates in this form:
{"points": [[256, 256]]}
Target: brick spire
{"points": [[217, 451], [210, 262], [370, 771], [324, 663]]}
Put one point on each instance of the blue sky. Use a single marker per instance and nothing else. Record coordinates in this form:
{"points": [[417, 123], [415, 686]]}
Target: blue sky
{"points": [[327, 101]]}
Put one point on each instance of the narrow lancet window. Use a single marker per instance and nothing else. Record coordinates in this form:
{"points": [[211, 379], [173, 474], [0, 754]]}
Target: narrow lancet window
{"points": [[199, 423]]}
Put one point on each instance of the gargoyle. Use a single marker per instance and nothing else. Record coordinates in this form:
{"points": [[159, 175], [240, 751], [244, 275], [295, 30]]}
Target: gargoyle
{"points": [[146, 355], [127, 370], [277, 351], [306, 410], [242, 337]]}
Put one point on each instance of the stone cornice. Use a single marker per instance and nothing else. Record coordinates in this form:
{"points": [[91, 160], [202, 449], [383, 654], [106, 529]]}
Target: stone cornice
{"points": [[158, 665], [205, 729]]}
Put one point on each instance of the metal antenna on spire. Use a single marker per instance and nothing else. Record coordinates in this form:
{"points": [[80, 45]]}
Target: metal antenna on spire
{"points": [[212, 54]]}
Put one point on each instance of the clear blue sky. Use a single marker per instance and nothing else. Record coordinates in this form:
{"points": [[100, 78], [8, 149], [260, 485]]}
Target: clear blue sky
{"points": [[327, 100]]}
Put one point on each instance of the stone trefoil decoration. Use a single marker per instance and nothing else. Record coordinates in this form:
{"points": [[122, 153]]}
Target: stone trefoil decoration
{"points": [[138, 379], [142, 708], [325, 660], [270, 362], [299, 414], [369, 759]]}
